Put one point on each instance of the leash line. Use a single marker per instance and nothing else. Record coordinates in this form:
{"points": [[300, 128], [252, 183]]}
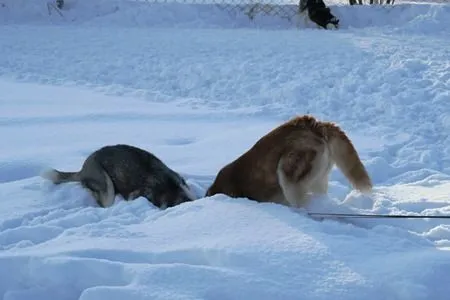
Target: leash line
{"points": [[338, 215]]}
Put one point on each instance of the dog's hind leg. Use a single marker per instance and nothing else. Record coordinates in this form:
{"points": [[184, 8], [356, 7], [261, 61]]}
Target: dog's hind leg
{"points": [[331, 26], [292, 170], [294, 195], [98, 182], [320, 186], [305, 19], [102, 190]]}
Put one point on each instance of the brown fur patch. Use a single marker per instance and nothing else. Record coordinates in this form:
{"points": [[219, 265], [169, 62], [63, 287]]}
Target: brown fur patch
{"points": [[297, 165]]}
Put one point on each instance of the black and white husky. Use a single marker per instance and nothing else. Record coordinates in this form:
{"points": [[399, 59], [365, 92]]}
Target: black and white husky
{"points": [[319, 13], [130, 172]]}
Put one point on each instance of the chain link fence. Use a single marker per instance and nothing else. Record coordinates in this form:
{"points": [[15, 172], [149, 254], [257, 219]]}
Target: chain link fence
{"points": [[254, 8], [284, 9], [277, 8]]}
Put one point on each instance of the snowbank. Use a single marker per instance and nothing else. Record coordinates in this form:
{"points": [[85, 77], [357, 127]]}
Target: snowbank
{"points": [[417, 17], [214, 248]]}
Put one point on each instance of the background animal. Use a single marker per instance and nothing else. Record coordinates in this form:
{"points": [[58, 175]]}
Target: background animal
{"points": [[319, 13], [129, 171], [291, 162]]}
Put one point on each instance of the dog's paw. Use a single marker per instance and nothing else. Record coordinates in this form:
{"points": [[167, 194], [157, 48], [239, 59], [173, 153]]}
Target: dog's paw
{"points": [[331, 26]]}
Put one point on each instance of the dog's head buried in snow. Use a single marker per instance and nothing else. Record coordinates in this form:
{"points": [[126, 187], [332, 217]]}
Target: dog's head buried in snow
{"points": [[130, 172], [291, 163], [319, 13]]}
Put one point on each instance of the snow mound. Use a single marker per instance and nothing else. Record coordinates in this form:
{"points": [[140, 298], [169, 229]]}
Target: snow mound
{"points": [[415, 17], [213, 248]]}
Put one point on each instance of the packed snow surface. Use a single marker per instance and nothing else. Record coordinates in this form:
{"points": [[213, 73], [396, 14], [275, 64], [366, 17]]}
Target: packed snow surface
{"points": [[197, 87]]}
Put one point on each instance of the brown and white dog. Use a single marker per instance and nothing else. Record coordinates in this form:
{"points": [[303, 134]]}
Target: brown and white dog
{"points": [[290, 162]]}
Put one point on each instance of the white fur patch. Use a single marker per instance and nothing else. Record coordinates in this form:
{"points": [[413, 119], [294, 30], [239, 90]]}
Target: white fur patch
{"points": [[331, 26], [188, 192], [108, 197], [50, 174]]}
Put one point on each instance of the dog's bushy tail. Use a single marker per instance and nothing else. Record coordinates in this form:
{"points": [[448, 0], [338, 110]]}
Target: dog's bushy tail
{"points": [[347, 159], [58, 177]]}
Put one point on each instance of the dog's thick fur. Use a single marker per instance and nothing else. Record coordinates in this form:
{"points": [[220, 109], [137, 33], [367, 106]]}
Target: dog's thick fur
{"points": [[290, 162], [129, 171], [318, 13]]}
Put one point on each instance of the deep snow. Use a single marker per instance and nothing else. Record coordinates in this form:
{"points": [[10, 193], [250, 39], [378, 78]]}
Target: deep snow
{"points": [[198, 96]]}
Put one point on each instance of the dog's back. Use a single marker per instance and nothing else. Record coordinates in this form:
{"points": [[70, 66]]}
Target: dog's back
{"points": [[131, 168]]}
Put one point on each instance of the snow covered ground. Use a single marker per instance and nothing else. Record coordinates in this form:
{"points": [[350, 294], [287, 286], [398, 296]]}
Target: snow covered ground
{"points": [[197, 96]]}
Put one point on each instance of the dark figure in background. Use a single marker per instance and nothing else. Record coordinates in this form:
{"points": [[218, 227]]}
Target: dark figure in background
{"points": [[60, 4], [319, 13]]}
